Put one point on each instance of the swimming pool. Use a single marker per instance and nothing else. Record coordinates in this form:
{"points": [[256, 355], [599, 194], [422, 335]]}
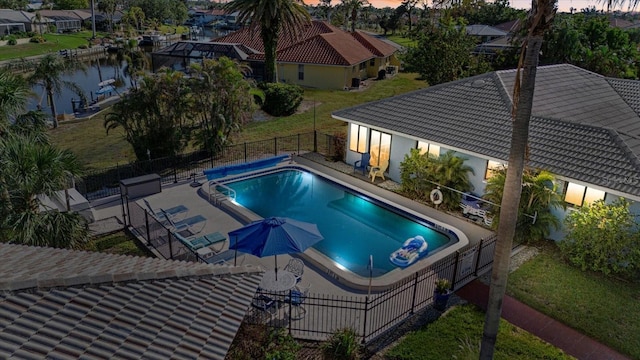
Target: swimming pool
{"points": [[354, 225]]}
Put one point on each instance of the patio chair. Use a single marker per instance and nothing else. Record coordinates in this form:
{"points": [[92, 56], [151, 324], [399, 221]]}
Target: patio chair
{"points": [[176, 213], [297, 298], [186, 225], [378, 171], [363, 163], [267, 307], [197, 243], [296, 267]]}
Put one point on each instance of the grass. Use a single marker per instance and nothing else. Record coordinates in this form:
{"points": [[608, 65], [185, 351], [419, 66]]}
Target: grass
{"points": [[603, 308], [55, 42], [89, 141], [117, 243], [457, 334], [404, 41]]}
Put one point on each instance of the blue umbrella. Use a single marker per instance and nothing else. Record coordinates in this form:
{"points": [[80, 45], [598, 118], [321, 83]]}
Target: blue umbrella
{"points": [[275, 236]]}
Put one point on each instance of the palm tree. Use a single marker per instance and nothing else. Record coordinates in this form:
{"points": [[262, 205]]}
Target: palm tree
{"points": [[271, 17], [14, 93], [48, 75], [450, 170], [539, 21]]}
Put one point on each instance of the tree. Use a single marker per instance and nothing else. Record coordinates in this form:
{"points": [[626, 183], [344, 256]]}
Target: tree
{"points": [[540, 19], [71, 4], [450, 171], [270, 18], [135, 17], [14, 93], [539, 197], [48, 75], [443, 54], [352, 7], [603, 237], [224, 99], [108, 7]]}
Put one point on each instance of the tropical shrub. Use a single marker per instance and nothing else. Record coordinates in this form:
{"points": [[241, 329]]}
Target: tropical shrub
{"points": [[422, 173], [11, 40], [38, 39], [281, 99], [539, 197], [342, 345], [603, 237], [282, 346]]}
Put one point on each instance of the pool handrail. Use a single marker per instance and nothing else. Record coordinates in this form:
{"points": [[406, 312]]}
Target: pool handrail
{"points": [[219, 195]]}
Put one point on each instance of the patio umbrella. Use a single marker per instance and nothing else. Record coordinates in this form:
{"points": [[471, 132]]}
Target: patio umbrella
{"points": [[275, 236]]}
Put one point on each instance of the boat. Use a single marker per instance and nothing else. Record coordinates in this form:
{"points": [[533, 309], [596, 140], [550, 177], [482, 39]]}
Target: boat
{"points": [[412, 249]]}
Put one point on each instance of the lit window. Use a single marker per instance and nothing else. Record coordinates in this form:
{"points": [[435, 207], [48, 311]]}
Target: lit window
{"points": [[492, 166], [358, 138], [592, 195], [581, 195], [380, 148], [428, 148]]}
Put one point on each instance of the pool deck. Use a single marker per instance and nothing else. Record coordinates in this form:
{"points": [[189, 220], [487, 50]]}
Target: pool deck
{"points": [[196, 200]]}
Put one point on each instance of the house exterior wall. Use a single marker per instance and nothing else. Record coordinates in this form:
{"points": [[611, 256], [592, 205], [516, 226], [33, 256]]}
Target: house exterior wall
{"points": [[315, 76], [401, 145]]}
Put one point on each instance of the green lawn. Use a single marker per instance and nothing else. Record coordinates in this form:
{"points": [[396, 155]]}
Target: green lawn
{"points": [[603, 308], [89, 141], [117, 243], [457, 335], [54, 43], [406, 42]]}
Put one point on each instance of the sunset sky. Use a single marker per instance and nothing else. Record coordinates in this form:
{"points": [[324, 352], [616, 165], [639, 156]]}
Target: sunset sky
{"points": [[563, 5]]}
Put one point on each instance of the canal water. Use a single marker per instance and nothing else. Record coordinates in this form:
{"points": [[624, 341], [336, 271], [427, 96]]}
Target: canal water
{"points": [[97, 72]]}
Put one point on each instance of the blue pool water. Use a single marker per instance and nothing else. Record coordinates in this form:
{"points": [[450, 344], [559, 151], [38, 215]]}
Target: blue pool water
{"points": [[353, 226]]}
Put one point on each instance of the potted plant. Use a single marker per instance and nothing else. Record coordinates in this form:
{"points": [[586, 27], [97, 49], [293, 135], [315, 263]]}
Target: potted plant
{"points": [[441, 294]]}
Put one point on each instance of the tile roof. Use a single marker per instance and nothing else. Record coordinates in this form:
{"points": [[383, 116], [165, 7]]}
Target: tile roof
{"points": [[581, 127], [66, 304], [320, 43]]}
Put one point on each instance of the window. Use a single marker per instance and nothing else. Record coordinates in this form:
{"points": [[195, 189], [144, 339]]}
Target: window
{"points": [[358, 138], [492, 166], [432, 149], [372, 62], [363, 65], [300, 71], [380, 147], [581, 195]]}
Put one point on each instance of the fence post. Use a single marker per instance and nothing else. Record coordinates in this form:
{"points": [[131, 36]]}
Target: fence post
{"points": [[364, 322], [175, 174], [170, 246], [245, 152], [146, 223], [455, 270], [124, 213], [475, 272], [415, 292], [315, 141], [298, 151], [290, 311], [275, 146]]}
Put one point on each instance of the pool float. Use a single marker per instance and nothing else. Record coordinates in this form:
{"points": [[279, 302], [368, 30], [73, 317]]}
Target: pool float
{"points": [[412, 249]]}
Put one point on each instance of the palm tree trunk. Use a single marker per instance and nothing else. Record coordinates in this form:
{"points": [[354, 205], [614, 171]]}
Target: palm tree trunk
{"points": [[52, 104], [511, 197], [270, 44]]}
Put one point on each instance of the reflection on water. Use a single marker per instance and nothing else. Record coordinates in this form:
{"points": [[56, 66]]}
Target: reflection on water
{"points": [[97, 71]]}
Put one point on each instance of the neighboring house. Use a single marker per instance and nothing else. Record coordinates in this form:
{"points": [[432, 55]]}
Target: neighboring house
{"points": [[67, 20], [180, 55], [322, 57], [485, 33], [12, 21], [65, 304], [585, 129]]}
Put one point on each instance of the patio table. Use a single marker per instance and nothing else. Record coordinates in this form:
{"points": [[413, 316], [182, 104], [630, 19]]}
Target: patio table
{"points": [[286, 281]]}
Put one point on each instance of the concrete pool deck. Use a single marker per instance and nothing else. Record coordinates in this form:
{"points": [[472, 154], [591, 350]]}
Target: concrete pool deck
{"points": [[196, 200]]}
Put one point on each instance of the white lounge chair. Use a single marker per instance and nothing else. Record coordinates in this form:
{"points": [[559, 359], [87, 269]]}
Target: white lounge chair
{"points": [[186, 225]]}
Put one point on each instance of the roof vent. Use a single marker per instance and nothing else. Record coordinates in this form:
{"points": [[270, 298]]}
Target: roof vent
{"points": [[478, 83]]}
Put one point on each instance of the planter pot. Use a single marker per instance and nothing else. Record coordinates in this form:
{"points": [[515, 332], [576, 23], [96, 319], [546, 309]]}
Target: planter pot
{"points": [[440, 300]]}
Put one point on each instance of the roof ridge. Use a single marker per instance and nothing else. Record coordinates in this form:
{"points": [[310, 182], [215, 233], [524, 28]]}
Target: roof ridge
{"points": [[615, 135], [46, 278]]}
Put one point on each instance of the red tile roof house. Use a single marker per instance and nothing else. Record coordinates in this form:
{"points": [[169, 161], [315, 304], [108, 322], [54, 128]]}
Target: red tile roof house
{"points": [[585, 129], [65, 304], [322, 57]]}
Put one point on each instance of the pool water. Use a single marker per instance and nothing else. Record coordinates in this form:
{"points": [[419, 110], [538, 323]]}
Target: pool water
{"points": [[353, 226]]}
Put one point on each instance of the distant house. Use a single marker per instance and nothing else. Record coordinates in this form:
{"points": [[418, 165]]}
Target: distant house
{"points": [[67, 20], [584, 129], [322, 57], [65, 304], [485, 33], [12, 21]]}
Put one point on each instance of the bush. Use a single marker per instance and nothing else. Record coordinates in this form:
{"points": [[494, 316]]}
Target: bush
{"points": [[38, 39], [83, 46], [281, 99], [11, 40], [603, 237], [343, 345]]}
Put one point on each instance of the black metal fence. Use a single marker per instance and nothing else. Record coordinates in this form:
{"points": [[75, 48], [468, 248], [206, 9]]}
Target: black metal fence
{"points": [[106, 182], [369, 315]]}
